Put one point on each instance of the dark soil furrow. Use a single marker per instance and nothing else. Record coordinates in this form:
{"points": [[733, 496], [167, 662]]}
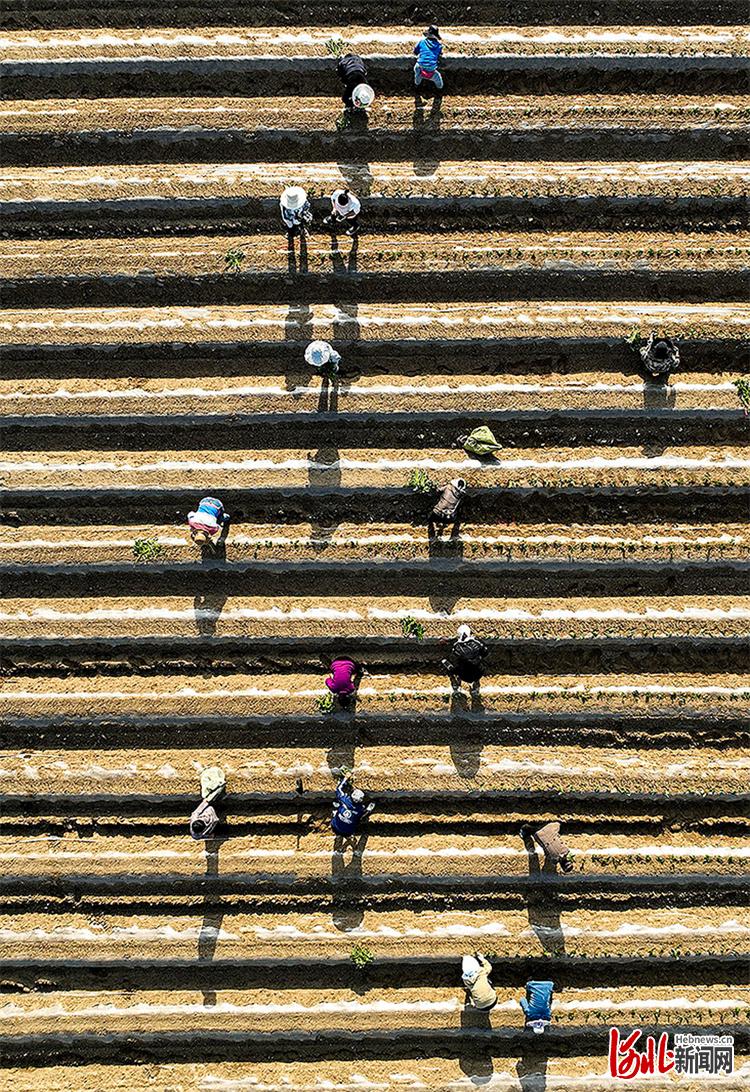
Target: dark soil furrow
{"points": [[506, 578], [656, 731], [479, 356], [328, 507], [46, 976], [648, 427], [562, 283], [47, 14], [300, 76], [115, 657], [216, 145], [138, 216]]}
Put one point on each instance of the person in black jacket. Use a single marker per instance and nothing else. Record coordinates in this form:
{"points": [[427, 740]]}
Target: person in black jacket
{"points": [[353, 75], [464, 663]]}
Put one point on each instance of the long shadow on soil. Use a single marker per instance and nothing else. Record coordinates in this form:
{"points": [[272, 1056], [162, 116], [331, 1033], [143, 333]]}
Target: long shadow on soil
{"points": [[466, 753], [347, 913], [532, 1070], [298, 323], [450, 548], [543, 906], [476, 1062], [426, 123], [208, 606], [357, 176], [657, 395], [213, 914]]}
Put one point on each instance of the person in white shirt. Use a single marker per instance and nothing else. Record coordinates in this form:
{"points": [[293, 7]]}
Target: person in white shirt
{"points": [[296, 213], [345, 208]]}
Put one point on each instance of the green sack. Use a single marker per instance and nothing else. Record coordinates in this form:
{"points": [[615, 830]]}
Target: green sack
{"points": [[213, 782], [481, 441]]}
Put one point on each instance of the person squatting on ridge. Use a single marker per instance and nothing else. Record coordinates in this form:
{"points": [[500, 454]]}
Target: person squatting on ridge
{"points": [[205, 819], [350, 807], [323, 356], [660, 356], [447, 507], [345, 209], [342, 682], [537, 1005], [464, 663], [352, 72], [475, 975], [548, 837], [207, 523], [428, 51], [296, 212]]}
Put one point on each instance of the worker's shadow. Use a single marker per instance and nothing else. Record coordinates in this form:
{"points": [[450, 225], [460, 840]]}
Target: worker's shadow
{"points": [[448, 548], [348, 910], [357, 175], [531, 1069], [298, 325], [657, 394], [323, 472], [425, 123], [543, 904], [466, 749], [209, 605], [475, 1059], [213, 914]]}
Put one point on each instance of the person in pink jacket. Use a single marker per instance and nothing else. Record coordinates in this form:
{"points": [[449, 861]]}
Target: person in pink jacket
{"points": [[342, 682]]}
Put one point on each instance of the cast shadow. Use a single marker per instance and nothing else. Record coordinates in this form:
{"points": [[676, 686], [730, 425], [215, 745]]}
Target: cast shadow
{"points": [[347, 912], [475, 1058], [298, 324], [209, 605], [422, 123], [657, 394], [357, 177], [452, 549], [466, 752], [531, 1070], [543, 905], [323, 472], [213, 914]]}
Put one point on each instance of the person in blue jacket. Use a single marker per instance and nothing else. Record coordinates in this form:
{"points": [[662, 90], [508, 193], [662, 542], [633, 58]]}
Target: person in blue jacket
{"points": [[349, 808], [428, 51], [537, 1005]]}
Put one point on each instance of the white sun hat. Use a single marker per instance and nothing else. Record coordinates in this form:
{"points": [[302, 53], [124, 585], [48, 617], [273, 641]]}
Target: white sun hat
{"points": [[318, 353], [538, 1026], [293, 197], [358, 796], [470, 968], [363, 95]]}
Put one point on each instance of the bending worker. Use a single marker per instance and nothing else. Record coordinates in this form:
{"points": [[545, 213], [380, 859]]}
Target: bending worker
{"points": [[353, 74], [475, 975], [345, 209], [207, 522], [350, 807], [537, 1005], [464, 663]]}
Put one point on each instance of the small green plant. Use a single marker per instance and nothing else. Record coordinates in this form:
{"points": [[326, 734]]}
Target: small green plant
{"points": [[742, 386], [421, 482], [324, 704], [335, 46], [147, 549], [410, 627], [634, 338], [361, 955], [233, 260]]}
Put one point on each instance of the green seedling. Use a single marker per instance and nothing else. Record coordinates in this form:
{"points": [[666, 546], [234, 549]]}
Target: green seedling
{"points": [[634, 338], [335, 46], [361, 955], [147, 549], [421, 482], [233, 260], [410, 627], [324, 704], [742, 386]]}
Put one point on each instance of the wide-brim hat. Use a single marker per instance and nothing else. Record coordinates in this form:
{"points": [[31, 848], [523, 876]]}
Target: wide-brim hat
{"points": [[470, 968], [363, 95], [318, 353], [432, 32], [293, 197]]}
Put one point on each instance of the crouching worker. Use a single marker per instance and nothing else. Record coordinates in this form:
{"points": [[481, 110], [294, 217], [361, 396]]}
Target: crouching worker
{"points": [[447, 509], [660, 356], [345, 210], [342, 682], [207, 523], [537, 1005], [205, 819], [464, 663], [548, 837], [296, 212], [475, 975], [428, 51], [323, 356], [352, 71], [350, 808]]}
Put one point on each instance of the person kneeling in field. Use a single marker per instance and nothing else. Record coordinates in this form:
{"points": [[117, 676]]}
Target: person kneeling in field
{"points": [[447, 508], [548, 837], [428, 51], [345, 209], [475, 975], [537, 1005], [350, 807], [208, 522], [465, 661]]}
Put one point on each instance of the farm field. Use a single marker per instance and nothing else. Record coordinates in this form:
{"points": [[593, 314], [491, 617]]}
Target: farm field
{"points": [[581, 183]]}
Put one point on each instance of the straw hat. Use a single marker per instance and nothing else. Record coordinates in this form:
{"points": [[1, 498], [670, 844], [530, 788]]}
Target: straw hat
{"points": [[318, 353], [293, 198], [363, 95]]}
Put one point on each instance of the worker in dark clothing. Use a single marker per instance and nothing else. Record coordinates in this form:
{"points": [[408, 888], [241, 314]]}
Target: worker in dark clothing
{"points": [[353, 74], [350, 808], [447, 508], [464, 663], [660, 356], [548, 837]]}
